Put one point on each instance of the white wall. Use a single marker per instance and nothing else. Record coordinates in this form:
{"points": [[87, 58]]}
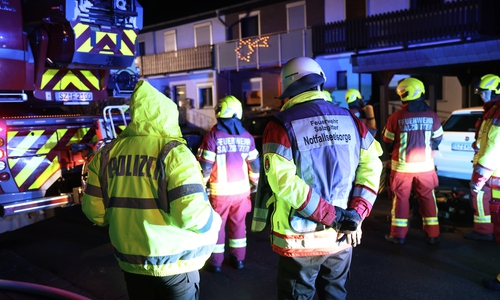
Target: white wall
{"points": [[331, 65], [375, 7], [334, 10], [154, 41]]}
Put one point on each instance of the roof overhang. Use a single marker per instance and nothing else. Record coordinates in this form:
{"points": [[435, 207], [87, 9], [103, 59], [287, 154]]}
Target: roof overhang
{"points": [[428, 56]]}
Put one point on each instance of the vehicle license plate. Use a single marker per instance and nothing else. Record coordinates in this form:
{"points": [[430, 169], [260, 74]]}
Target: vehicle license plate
{"points": [[461, 147], [74, 96]]}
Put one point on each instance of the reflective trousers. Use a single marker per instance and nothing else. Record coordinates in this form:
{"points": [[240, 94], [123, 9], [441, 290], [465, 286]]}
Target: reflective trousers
{"points": [[303, 277], [233, 215], [482, 213], [423, 184], [184, 286]]}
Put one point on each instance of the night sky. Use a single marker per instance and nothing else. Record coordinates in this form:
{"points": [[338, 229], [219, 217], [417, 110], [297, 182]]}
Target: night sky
{"points": [[158, 11]]}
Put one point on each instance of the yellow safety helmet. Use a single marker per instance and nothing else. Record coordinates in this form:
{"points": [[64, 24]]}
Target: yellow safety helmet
{"points": [[410, 89], [352, 95], [488, 82], [228, 107]]}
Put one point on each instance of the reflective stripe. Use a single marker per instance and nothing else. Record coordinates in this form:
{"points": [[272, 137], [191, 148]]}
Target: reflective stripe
{"points": [[438, 132], [184, 190], [238, 243], [163, 259], [136, 203], [430, 221], [234, 188], [219, 248], [482, 219], [93, 190], [252, 155], [311, 206], [364, 193], [278, 149], [206, 155], [389, 135], [415, 167], [259, 220], [399, 222]]}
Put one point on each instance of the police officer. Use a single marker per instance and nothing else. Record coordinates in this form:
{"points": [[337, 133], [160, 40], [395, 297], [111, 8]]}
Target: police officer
{"points": [[148, 187], [485, 181], [230, 164], [411, 134], [323, 169]]}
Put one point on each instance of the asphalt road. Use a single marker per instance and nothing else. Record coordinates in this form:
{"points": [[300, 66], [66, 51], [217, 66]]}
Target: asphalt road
{"points": [[68, 253]]}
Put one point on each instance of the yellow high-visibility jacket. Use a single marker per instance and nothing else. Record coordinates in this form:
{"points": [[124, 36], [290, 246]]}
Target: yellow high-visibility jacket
{"points": [[151, 196]]}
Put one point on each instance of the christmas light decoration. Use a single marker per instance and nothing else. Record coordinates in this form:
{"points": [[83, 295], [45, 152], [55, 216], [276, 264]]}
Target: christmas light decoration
{"points": [[250, 46]]}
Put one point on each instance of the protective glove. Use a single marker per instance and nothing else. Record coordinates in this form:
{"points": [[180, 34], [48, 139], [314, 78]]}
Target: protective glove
{"points": [[346, 220], [352, 238]]}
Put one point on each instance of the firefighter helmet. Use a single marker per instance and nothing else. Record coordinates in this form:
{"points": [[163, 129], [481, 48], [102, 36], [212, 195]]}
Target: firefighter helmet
{"points": [[299, 75], [352, 95], [228, 107], [488, 82], [410, 89]]}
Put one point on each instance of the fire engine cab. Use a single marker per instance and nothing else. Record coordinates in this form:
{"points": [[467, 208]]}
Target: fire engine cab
{"points": [[57, 58]]}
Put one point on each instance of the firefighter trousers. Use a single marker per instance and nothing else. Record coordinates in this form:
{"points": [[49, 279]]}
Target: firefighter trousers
{"points": [[233, 214], [324, 275], [482, 213], [423, 184]]}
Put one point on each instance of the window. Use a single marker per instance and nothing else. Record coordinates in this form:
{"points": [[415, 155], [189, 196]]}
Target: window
{"points": [[203, 34], [296, 15], [141, 49], [170, 41], [252, 92], [205, 95], [341, 80], [249, 25], [179, 93]]}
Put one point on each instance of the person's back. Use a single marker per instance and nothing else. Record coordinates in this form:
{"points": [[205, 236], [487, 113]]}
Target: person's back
{"points": [[322, 171], [147, 184], [230, 164], [411, 134]]}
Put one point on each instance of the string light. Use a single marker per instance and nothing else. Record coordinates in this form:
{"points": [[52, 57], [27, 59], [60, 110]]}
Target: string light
{"points": [[251, 46]]}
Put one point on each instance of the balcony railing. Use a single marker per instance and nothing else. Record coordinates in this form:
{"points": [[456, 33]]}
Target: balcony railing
{"points": [[189, 59], [458, 20]]}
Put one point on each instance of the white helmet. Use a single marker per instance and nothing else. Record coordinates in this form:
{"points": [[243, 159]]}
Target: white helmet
{"points": [[299, 75]]}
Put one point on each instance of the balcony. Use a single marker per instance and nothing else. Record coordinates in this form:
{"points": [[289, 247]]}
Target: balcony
{"points": [[447, 22], [442, 23]]}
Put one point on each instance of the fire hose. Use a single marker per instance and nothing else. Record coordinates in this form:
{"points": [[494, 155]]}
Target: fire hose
{"points": [[40, 290]]}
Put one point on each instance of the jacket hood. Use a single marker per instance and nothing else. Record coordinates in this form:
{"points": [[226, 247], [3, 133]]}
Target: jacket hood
{"points": [[152, 113]]}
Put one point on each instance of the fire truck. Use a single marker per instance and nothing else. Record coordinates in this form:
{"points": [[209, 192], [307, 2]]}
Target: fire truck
{"points": [[60, 63]]}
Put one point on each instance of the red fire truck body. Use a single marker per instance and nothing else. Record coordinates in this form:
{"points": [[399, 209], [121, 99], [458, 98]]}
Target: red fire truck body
{"points": [[56, 57]]}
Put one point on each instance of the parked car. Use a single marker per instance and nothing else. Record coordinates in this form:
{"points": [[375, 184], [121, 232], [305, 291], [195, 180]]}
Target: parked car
{"points": [[453, 159], [255, 122]]}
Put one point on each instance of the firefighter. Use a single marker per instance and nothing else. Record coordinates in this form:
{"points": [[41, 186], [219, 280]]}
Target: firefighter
{"points": [[230, 164], [322, 171], [360, 110], [483, 227], [411, 134], [148, 187], [485, 181]]}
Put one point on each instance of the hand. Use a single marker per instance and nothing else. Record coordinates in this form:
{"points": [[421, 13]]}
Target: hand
{"points": [[253, 187], [352, 238], [474, 187]]}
